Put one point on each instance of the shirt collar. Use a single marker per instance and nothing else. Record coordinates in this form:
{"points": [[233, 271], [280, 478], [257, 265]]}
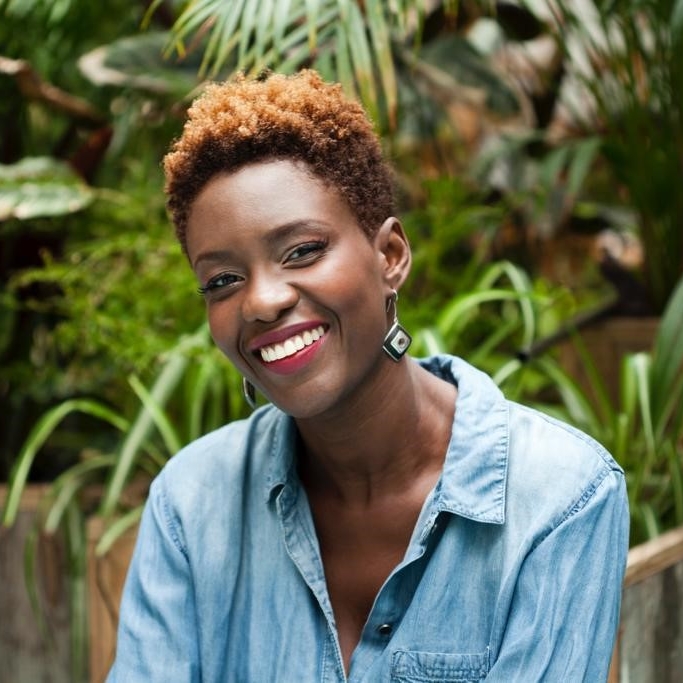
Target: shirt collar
{"points": [[475, 470], [473, 482]]}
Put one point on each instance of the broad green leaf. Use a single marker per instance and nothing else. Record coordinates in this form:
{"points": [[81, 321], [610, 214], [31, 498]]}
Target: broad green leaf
{"points": [[138, 62], [41, 186]]}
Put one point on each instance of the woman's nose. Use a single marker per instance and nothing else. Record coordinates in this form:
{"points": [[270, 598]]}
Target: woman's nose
{"points": [[266, 298]]}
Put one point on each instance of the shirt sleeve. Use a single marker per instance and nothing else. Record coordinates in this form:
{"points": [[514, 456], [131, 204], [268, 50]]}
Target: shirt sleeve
{"points": [[565, 610], [157, 634]]}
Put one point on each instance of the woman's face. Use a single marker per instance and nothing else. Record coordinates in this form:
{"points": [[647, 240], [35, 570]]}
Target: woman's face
{"points": [[295, 291]]}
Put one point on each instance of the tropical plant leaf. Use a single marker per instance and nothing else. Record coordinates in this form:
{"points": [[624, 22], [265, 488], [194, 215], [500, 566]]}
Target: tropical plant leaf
{"points": [[41, 186], [667, 365], [115, 530], [138, 62], [41, 431], [163, 387], [65, 488]]}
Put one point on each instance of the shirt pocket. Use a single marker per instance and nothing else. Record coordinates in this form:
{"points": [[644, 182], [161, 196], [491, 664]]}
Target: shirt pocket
{"points": [[432, 667]]}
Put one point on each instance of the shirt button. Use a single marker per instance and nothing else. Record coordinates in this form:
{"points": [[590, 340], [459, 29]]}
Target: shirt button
{"points": [[385, 629]]}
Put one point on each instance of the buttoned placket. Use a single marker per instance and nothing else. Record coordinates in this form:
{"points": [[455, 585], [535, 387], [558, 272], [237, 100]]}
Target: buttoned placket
{"points": [[394, 597], [390, 604]]}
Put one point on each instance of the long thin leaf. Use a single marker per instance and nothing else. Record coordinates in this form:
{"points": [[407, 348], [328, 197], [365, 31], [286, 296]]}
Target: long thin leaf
{"points": [[376, 18], [453, 315], [359, 49], [193, 18], [70, 483], [427, 341], [311, 22], [171, 439], [343, 61], [78, 606], [37, 437], [165, 384], [667, 366], [247, 27], [224, 37], [114, 531], [281, 19], [583, 158], [264, 28]]}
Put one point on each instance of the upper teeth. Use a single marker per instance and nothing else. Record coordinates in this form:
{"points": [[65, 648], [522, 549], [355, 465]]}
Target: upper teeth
{"points": [[290, 346]]}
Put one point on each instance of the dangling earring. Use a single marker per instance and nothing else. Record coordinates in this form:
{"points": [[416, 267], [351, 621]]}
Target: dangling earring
{"points": [[249, 392], [397, 340]]}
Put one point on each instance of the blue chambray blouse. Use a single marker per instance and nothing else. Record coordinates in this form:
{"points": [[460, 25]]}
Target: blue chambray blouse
{"points": [[513, 572]]}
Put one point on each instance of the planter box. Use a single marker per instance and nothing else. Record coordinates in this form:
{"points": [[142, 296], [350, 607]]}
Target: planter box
{"points": [[650, 640], [106, 576], [25, 655]]}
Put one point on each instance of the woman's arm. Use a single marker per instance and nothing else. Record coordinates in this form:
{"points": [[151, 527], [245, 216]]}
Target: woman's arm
{"points": [[565, 611], [157, 635]]}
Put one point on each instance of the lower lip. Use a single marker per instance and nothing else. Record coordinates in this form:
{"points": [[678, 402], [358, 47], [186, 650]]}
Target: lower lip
{"points": [[294, 363]]}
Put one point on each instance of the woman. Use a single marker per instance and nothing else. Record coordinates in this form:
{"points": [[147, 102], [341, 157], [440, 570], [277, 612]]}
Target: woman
{"points": [[383, 519]]}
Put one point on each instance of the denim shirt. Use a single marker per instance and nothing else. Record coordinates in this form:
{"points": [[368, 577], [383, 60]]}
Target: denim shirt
{"points": [[513, 572]]}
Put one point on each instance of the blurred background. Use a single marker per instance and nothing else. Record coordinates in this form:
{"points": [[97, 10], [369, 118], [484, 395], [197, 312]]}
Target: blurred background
{"points": [[539, 156]]}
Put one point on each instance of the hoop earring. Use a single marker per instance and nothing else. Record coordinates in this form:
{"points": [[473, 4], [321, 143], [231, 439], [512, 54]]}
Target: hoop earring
{"points": [[249, 392], [397, 339]]}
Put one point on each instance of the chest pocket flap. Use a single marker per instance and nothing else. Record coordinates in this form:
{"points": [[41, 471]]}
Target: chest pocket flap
{"points": [[430, 667]]}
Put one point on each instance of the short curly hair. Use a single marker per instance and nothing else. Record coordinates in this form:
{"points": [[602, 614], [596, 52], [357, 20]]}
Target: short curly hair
{"points": [[297, 117]]}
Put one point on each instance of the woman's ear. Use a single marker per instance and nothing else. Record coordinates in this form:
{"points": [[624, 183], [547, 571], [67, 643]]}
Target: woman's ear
{"points": [[393, 250]]}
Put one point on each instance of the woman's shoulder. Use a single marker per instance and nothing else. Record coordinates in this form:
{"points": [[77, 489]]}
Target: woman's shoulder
{"points": [[555, 468], [239, 450], [552, 444]]}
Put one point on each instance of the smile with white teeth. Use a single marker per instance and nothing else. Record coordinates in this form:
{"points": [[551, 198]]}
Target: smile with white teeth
{"points": [[290, 346]]}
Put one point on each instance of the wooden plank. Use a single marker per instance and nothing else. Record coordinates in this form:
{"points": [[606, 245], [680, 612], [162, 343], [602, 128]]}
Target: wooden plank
{"points": [[25, 653], [106, 577], [651, 629], [654, 556]]}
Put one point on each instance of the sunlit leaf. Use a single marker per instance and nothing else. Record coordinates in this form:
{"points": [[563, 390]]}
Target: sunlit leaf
{"points": [[41, 186]]}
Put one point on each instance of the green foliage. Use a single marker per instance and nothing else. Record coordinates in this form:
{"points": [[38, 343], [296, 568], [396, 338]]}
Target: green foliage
{"points": [[40, 186], [98, 292], [194, 392], [114, 301], [338, 38], [644, 428], [633, 77]]}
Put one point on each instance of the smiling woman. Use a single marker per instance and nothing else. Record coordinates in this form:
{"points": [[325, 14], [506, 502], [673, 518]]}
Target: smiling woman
{"points": [[383, 518]]}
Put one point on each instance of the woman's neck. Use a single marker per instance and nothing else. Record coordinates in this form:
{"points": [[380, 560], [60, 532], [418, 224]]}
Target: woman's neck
{"points": [[384, 442]]}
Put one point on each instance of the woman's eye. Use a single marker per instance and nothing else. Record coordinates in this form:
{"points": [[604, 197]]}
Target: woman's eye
{"points": [[305, 251], [219, 282]]}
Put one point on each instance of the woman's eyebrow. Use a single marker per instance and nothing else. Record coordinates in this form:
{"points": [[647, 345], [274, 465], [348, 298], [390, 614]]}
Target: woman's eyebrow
{"points": [[273, 238], [294, 228]]}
